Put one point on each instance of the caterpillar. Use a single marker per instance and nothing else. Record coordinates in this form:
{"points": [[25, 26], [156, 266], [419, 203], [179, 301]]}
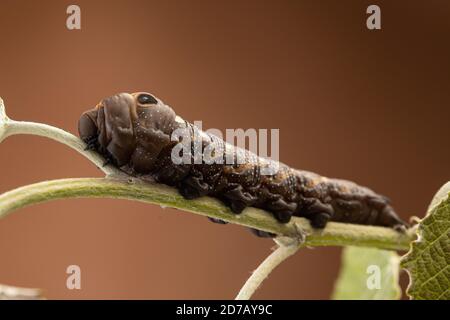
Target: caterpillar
{"points": [[133, 132]]}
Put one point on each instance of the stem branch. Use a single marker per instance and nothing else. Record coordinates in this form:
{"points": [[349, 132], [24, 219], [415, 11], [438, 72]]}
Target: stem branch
{"points": [[9, 127], [337, 234], [281, 253], [17, 293]]}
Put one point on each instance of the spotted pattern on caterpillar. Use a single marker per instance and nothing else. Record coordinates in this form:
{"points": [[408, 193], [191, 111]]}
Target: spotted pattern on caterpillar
{"points": [[133, 132]]}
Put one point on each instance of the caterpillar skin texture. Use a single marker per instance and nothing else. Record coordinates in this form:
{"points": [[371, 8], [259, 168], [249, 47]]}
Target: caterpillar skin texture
{"points": [[133, 132]]}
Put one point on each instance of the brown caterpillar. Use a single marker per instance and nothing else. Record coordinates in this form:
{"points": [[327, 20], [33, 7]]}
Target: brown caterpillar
{"points": [[133, 132]]}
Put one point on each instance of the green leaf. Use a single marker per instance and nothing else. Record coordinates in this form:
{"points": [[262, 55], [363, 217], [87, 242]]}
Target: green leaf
{"points": [[368, 274], [428, 261]]}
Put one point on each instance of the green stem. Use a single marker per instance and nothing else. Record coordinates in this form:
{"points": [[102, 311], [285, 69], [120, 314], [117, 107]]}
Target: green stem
{"points": [[335, 234], [281, 253], [9, 127], [18, 293]]}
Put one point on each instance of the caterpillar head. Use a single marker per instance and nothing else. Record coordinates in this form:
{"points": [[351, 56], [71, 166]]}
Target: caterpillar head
{"points": [[128, 129]]}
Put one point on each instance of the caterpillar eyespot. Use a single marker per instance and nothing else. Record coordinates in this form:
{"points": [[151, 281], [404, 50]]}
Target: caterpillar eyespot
{"points": [[145, 98], [133, 132]]}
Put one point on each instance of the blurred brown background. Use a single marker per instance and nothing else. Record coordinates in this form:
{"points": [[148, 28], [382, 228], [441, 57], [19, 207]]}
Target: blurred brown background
{"points": [[369, 106]]}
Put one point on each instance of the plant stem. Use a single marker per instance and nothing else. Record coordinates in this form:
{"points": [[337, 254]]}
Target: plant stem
{"points": [[281, 253], [17, 293], [337, 234], [9, 127]]}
